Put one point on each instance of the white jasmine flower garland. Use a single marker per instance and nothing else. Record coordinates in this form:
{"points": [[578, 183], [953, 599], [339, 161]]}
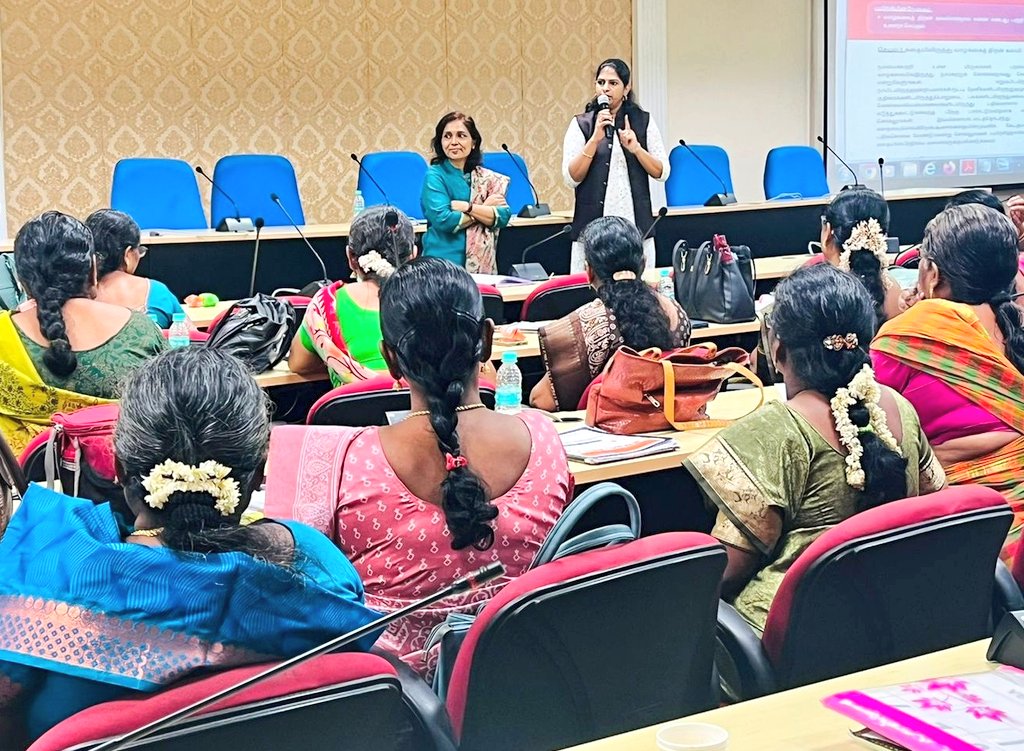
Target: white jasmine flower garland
{"points": [[863, 388]]}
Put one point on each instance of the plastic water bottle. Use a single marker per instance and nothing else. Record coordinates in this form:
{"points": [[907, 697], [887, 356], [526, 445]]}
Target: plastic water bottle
{"points": [[358, 204], [177, 335], [509, 396], [665, 286]]}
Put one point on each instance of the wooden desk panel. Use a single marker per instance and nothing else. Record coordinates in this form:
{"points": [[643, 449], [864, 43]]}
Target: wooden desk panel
{"points": [[796, 719]]}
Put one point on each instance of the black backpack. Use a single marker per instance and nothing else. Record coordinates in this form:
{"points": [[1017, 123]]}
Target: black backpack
{"points": [[257, 330]]}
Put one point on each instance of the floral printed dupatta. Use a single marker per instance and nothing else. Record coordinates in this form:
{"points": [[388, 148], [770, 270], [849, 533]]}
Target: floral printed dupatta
{"points": [[482, 241], [324, 329]]}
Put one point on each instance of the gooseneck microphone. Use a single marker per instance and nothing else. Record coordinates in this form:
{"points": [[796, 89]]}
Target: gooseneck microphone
{"points": [[535, 272], [274, 197], [530, 210], [650, 230], [228, 224], [856, 181], [255, 256], [471, 581], [603, 103], [366, 172], [717, 199], [881, 175]]}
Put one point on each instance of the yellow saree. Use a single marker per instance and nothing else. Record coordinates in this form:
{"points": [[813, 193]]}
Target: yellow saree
{"points": [[26, 402]]}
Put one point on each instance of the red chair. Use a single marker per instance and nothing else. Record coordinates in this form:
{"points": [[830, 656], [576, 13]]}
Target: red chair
{"points": [[494, 304], [873, 590], [814, 260], [591, 645], [33, 457], [557, 297], [366, 403], [349, 700], [909, 258]]}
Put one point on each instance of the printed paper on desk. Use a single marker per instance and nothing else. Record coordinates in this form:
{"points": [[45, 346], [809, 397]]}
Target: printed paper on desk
{"points": [[594, 446], [981, 711]]}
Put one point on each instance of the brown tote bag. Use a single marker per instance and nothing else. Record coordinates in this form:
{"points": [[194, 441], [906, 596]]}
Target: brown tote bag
{"points": [[642, 392]]}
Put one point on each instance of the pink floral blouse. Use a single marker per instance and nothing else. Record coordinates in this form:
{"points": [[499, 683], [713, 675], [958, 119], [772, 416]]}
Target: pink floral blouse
{"points": [[400, 544]]}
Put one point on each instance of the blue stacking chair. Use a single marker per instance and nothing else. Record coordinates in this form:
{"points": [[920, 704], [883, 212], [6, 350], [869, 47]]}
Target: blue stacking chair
{"points": [[519, 193], [157, 193], [401, 174], [689, 182], [250, 179], [797, 171]]}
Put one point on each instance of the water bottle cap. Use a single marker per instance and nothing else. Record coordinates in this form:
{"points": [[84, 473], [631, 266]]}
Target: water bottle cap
{"points": [[358, 192], [509, 357], [178, 317], [664, 272]]}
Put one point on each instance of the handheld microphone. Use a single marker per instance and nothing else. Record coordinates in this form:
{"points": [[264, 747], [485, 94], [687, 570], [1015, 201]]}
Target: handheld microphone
{"points": [[881, 175], [366, 172], [274, 197], [228, 224], [718, 199], [603, 103], [535, 272], [255, 256], [650, 230], [856, 182], [473, 580], [530, 210]]}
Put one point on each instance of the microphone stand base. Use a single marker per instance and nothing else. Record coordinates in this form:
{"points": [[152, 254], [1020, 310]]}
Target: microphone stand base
{"points": [[721, 199], [534, 210], [230, 224], [533, 272]]}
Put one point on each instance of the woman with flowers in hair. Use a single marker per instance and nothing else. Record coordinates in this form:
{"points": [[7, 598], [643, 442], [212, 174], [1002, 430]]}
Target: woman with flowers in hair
{"points": [[840, 444], [958, 353], [341, 329], [94, 608]]}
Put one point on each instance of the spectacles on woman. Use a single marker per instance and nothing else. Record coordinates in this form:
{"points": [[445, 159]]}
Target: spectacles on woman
{"points": [[140, 250]]}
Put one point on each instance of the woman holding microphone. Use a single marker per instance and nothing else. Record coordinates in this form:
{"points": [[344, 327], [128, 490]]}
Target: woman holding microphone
{"points": [[616, 175]]}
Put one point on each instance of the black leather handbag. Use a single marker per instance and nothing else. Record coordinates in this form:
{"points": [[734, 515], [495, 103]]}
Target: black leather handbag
{"points": [[715, 282], [257, 330]]}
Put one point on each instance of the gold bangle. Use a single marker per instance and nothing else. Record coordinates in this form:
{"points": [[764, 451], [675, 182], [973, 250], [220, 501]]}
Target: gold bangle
{"points": [[588, 156]]}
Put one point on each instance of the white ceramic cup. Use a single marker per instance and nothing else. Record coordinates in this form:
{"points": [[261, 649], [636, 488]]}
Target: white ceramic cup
{"points": [[692, 736]]}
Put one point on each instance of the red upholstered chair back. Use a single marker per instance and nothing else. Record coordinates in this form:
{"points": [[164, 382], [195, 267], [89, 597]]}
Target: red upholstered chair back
{"points": [[909, 258], [878, 587], [557, 297], [494, 304], [348, 700], [816, 259], [366, 403], [591, 645], [33, 457]]}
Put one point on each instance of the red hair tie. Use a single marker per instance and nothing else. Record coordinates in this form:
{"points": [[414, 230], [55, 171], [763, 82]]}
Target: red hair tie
{"points": [[454, 462]]}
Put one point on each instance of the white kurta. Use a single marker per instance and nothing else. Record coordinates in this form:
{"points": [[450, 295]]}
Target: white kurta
{"points": [[618, 197]]}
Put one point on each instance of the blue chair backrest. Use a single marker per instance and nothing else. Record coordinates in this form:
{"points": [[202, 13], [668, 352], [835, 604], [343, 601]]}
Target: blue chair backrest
{"points": [[401, 174], [689, 182], [250, 179], [158, 193], [795, 170], [519, 193]]}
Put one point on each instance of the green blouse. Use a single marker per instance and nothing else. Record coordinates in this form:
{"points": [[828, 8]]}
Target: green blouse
{"points": [[774, 458], [360, 328], [102, 370]]}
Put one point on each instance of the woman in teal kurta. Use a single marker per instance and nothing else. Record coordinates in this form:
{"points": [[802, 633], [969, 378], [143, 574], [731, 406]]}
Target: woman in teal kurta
{"points": [[464, 203]]}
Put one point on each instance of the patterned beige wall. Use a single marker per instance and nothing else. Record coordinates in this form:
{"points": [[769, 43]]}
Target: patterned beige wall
{"points": [[85, 83]]}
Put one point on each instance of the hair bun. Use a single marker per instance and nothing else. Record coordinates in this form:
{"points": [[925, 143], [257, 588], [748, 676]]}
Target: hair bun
{"points": [[192, 511]]}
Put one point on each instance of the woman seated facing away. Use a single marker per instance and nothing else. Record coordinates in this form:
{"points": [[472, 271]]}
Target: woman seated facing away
{"points": [[341, 329], [626, 313], [116, 238], [853, 231], [1013, 208], [63, 350], [958, 354], [841, 444], [464, 203], [452, 487], [93, 609]]}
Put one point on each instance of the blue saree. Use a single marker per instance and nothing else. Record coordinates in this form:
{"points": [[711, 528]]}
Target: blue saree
{"points": [[85, 617]]}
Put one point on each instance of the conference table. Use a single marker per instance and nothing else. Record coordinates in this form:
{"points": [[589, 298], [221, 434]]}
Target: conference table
{"points": [[192, 261], [796, 720]]}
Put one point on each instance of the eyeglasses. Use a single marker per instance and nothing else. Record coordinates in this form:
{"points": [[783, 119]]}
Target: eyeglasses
{"points": [[140, 250], [824, 221]]}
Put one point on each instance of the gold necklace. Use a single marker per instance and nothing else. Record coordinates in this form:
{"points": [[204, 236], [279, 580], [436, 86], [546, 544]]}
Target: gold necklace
{"points": [[155, 532], [463, 408]]}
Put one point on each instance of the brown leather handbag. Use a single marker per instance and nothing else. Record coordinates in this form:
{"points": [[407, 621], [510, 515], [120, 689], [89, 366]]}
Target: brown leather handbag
{"points": [[648, 391]]}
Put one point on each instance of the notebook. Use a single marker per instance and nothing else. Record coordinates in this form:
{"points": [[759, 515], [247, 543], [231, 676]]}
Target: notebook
{"points": [[593, 446], [977, 712]]}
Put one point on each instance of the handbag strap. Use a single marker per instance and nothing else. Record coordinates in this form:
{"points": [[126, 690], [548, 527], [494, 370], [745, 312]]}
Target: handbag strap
{"points": [[669, 405], [562, 540]]}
